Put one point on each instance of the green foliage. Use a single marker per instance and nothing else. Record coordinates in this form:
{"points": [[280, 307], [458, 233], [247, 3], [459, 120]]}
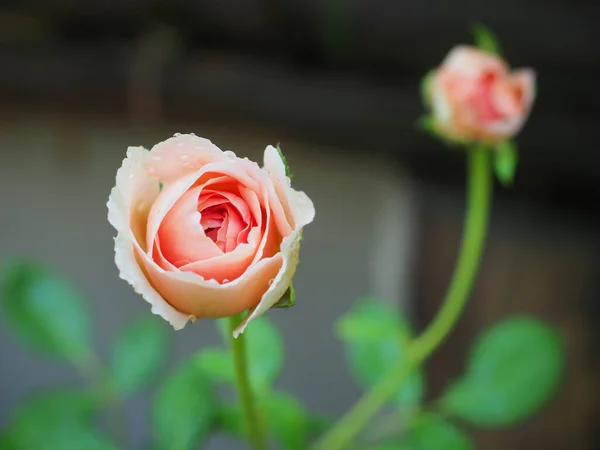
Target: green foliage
{"points": [[376, 338], [216, 364], [505, 162], [184, 409], [486, 40], [288, 300], [513, 370], [285, 417], [287, 420], [55, 420], [264, 350], [426, 95], [284, 159], [428, 433], [138, 353], [46, 312]]}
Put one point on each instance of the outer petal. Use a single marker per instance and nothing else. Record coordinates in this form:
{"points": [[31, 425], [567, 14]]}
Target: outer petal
{"points": [[470, 62], [181, 155], [302, 211], [522, 80], [128, 205]]}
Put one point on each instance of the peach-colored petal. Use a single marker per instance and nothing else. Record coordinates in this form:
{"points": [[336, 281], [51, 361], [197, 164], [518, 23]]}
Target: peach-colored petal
{"points": [[518, 89], [303, 213], [129, 202], [524, 79], [470, 62], [181, 235], [181, 155], [191, 294], [209, 174]]}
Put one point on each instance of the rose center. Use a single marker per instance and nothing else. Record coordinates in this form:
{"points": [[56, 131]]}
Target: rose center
{"points": [[214, 221]]}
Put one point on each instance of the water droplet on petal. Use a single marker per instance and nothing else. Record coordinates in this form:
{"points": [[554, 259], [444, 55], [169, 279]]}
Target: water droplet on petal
{"points": [[130, 175], [177, 135], [225, 280], [271, 281]]}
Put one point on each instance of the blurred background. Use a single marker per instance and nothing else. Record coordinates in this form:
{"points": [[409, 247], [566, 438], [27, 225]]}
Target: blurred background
{"points": [[335, 82]]}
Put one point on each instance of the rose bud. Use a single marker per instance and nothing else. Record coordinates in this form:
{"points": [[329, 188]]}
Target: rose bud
{"points": [[203, 233], [475, 97]]}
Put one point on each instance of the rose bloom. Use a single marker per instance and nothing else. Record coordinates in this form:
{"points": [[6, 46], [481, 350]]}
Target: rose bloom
{"points": [[475, 97], [203, 233]]}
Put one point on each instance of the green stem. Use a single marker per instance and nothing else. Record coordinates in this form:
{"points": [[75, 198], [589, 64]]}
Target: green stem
{"points": [[256, 434], [474, 232]]}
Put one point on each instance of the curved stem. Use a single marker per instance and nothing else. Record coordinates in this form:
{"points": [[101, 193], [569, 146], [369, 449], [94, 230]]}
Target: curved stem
{"points": [[474, 232], [253, 423]]}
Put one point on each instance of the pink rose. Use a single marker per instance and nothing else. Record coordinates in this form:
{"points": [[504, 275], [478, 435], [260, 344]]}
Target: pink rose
{"points": [[475, 97], [222, 235]]}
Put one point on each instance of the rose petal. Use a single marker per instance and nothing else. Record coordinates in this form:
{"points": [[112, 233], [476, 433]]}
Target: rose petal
{"points": [[303, 214], [181, 235], [470, 62], [191, 294], [129, 202], [181, 155]]}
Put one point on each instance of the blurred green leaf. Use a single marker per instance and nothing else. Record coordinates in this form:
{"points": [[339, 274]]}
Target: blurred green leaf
{"points": [[428, 433], [426, 96], [486, 40], [317, 425], [376, 338], [230, 420], [138, 353], [286, 419], [216, 364], [184, 409], [514, 369], [288, 300], [505, 162], [46, 312], [55, 420], [264, 350]]}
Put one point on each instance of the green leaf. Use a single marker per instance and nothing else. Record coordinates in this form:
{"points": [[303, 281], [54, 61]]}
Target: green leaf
{"points": [[514, 369], [288, 300], [505, 162], [138, 353], [264, 345], [426, 81], [55, 420], [287, 420], [428, 433], [284, 159], [46, 312], [184, 409], [376, 339], [216, 364], [230, 420], [264, 350], [486, 40]]}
